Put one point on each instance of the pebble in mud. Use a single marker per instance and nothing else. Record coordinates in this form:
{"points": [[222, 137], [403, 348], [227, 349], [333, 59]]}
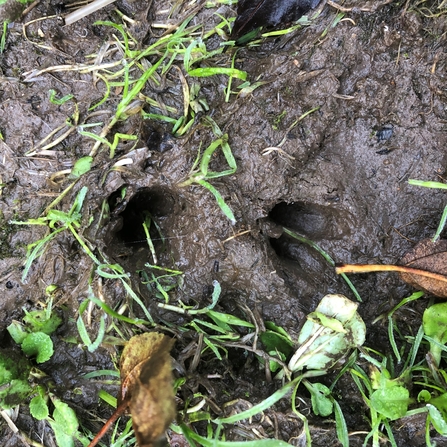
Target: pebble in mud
{"points": [[385, 132]]}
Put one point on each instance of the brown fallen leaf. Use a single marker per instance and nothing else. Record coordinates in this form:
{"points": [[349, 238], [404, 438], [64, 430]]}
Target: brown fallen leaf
{"points": [[147, 382], [424, 267], [146, 388], [429, 256]]}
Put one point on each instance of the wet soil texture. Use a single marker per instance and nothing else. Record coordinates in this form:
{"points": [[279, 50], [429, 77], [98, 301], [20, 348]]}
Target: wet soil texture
{"points": [[376, 84]]}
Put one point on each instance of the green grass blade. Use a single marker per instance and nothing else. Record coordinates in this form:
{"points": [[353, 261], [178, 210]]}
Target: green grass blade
{"points": [[412, 297], [102, 372], [415, 347], [206, 442], [213, 347], [217, 289], [220, 201], [106, 94], [325, 255], [36, 249], [58, 101], [392, 339], [390, 433], [436, 185], [146, 225], [206, 157], [3, 38], [266, 403], [109, 399], [100, 337], [212, 71], [441, 225], [126, 100], [219, 317], [340, 424], [83, 331], [109, 311], [93, 136]]}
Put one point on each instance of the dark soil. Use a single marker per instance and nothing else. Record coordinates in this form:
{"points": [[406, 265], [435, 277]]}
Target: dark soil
{"points": [[378, 80]]}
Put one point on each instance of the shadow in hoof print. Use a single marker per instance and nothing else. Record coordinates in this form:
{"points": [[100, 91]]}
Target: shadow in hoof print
{"points": [[303, 269], [137, 233]]}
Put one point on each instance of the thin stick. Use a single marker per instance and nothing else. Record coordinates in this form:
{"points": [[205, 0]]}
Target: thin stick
{"points": [[86, 10], [118, 412], [367, 268]]}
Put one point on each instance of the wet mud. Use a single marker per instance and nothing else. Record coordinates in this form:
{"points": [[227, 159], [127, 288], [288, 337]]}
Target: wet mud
{"points": [[377, 82]]}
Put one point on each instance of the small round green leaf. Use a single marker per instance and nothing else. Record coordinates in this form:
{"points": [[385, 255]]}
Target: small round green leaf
{"points": [[38, 344], [320, 396], [37, 321], [38, 408], [81, 166], [391, 402], [424, 396], [65, 417]]}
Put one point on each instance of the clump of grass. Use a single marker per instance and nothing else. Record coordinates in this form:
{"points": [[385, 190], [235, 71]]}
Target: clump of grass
{"points": [[201, 174]]}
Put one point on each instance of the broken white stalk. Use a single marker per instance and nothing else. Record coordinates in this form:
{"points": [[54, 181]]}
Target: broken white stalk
{"points": [[86, 10]]}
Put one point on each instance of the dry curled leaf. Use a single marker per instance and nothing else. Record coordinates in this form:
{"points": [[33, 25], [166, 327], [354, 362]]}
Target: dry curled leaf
{"points": [[147, 383], [431, 257]]}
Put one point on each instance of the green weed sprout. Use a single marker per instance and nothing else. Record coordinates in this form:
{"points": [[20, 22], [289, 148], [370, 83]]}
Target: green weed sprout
{"points": [[434, 322], [162, 284], [91, 345], [216, 441], [200, 172], [222, 325], [328, 336], [3, 36], [34, 333], [59, 221], [20, 380], [178, 45], [388, 398], [58, 101], [366, 389], [435, 185], [330, 332]]}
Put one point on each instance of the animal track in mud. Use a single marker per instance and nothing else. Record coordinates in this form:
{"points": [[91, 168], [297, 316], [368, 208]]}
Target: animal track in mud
{"points": [[313, 221], [153, 206], [302, 268]]}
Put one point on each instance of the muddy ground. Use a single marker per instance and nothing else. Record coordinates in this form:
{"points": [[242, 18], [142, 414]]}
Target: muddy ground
{"points": [[338, 184]]}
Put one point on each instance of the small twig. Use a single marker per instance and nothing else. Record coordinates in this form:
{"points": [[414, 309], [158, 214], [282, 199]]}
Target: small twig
{"points": [[367, 268], [86, 10], [27, 442], [118, 412], [236, 235], [30, 7], [9, 421]]}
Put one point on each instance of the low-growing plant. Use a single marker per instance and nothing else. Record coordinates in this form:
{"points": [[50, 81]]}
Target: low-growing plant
{"points": [[33, 334], [20, 380]]}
